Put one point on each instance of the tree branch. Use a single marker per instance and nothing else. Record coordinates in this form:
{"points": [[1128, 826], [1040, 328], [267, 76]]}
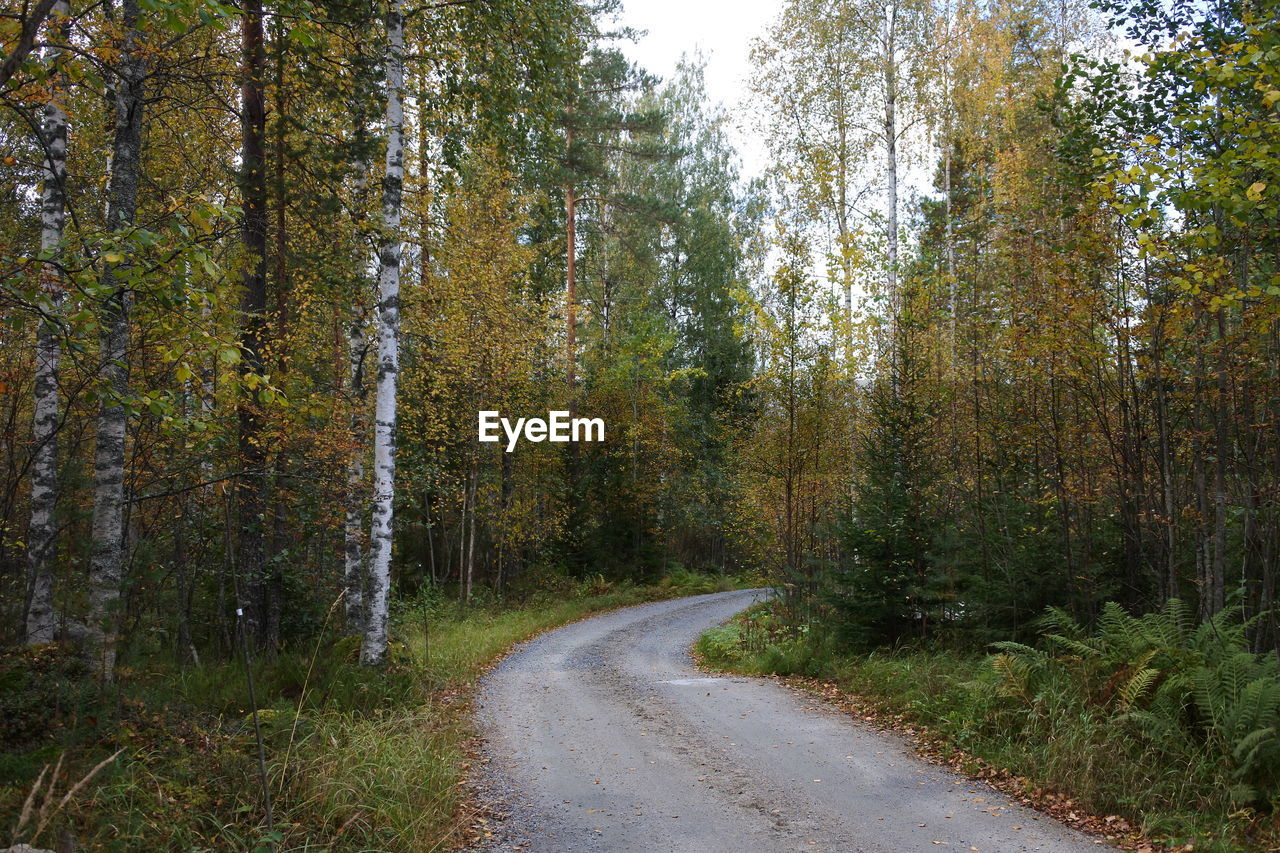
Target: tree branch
{"points": [[26, 40]]}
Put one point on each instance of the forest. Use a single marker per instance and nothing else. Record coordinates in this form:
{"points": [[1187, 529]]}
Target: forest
{"points": [[989, 354]]}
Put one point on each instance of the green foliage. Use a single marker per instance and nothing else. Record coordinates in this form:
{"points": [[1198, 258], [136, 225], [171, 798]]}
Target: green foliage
{"points": [[761, 641], [359, 759], [43, 691], [885, 593], [1186, 690]]}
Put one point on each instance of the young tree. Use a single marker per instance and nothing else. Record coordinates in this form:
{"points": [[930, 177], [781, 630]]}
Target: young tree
{"points": [[884, 594], [374, 648], [791, 463], [809, 78], [41, 542], [106, 567]]}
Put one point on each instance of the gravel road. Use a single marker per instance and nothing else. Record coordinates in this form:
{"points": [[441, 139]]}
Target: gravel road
{"points": [[602, 736]]}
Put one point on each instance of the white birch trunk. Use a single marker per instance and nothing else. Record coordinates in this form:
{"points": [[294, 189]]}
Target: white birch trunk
{"points": [[355, 555], [374, 648], [891, 153], [846, 239], [41, 624], [353, 530], [106, 564]]}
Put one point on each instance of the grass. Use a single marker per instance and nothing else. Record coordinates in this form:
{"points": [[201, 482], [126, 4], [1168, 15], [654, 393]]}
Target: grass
{"points": [[1072, 725], [357, 760]]}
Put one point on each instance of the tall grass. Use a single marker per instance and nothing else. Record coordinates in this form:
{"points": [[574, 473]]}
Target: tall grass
{"points": [[357, 760]]}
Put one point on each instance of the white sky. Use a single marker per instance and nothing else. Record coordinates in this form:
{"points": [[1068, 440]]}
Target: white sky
{"points": [[722, 30]]}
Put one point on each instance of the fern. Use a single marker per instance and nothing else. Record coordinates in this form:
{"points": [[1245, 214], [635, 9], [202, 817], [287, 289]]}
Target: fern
{"points": [[1172, 681], [1152, 725], [1251, 747], [1058, 621], [1137, 686], [1019, 649], [1020, 670], [1086, 649]]}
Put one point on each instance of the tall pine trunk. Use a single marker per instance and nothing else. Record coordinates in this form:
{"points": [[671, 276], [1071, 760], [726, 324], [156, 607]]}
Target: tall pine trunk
{"points": [[251, 480], [571, 284], [1216, 588], [41, 618], [106, 565], [374, 649]]}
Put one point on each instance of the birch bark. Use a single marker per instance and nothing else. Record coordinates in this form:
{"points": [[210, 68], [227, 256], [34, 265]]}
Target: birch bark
{"points": [[353, 528], [891, 151], [355, 555], [374, 648], [41, 619], [106, 565]]}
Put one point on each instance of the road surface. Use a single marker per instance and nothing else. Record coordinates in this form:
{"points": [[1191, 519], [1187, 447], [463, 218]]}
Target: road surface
{"points": [[602, 736]]}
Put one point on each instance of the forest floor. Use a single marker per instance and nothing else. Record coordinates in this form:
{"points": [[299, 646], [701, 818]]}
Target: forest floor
{"points": [[357, 760], [604, 736]]}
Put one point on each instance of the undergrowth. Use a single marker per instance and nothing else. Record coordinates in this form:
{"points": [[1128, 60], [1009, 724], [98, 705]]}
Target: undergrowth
{"points": [[1174, 726], [357, 759]]}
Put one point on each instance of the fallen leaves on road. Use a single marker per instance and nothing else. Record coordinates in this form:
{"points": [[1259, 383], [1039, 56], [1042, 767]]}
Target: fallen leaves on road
{"points": [[1115, 829]]}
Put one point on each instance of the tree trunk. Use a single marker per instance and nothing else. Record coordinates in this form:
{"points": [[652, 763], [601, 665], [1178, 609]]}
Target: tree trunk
{"points": [[41, 618], [274, 592], [373, 650], [1217, 588], [508, 496], [470, 517], [1199, 452], [846, 240], [951, 242], [571, 286], [353, 529], [891, 152], [106, 564], [251, 481]]}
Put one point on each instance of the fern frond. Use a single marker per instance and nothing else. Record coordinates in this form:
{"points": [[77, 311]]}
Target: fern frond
{"points": [[1248, 748], [1021, 649], [1137, 686], [1154, 726], [1058, 621], [1089, 648]]}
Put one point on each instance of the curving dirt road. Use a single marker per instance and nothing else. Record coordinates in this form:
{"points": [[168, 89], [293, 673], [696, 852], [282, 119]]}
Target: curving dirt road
{"points": [[602, 736]]}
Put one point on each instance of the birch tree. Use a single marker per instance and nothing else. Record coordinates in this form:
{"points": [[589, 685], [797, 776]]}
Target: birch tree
{"points": [[28, 28], [890, 45], [841, 77], [807, 77], [374, 648], [355, 565], [41, 625], [353, 575], [106, 565]]}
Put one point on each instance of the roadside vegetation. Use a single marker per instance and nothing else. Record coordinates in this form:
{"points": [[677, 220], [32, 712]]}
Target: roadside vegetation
{"points": [[1168, 724], [997, 331], [357, 759]]}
